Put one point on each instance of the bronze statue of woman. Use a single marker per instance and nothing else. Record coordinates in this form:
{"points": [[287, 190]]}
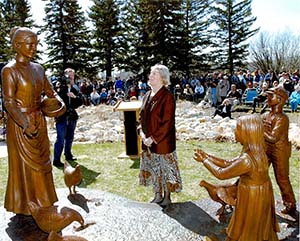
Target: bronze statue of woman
{"points": [[24, 83]]}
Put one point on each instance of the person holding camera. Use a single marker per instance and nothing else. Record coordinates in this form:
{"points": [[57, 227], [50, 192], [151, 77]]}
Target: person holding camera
{"points": [[66, 124]]}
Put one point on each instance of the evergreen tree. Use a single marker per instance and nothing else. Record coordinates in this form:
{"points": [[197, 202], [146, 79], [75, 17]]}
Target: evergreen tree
{"points": [[165, 30], [155, 32], [135, 20], [233, 20], [4, 48], [67, 37], [13, 13], [195, 36], [107, 46], [17, 13]]}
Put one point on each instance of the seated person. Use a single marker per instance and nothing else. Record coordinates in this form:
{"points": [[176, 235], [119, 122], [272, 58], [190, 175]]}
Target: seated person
{"points": [[103, 96], [234, 96], [178, 92], [141, 95], [199, 91], [111, 99], [143, 87], [294, 99], [120, 95], [131, 92], [188, 92], [224, 109], [95, 97], [261, 98]]}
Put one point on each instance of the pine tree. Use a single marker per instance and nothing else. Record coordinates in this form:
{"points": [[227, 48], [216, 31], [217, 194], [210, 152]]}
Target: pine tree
{"points": [[233, 21], [67, 37], [4, 48], [107, 46], [195, 36], [154, 29], [135, 21], [165, 30], [17, 13], [13, 13]]}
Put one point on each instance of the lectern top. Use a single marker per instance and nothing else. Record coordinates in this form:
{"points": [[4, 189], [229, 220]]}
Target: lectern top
{"points": [[128, 106]]}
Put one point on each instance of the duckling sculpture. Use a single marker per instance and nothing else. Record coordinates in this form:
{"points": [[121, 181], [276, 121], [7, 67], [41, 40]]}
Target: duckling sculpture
{"points": [[50, 219], [72, 176], [223, 194]]}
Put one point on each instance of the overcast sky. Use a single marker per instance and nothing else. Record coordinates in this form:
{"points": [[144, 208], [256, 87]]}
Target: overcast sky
{"points": [[277, 15], [272, 15]]}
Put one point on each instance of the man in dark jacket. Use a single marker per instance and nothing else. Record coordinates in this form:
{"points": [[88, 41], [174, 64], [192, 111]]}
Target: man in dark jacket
{"points": [[66, 124]]}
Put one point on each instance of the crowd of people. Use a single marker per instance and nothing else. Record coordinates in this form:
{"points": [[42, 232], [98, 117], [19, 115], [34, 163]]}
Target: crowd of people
{"points": [[216, 89], [108, 92]]}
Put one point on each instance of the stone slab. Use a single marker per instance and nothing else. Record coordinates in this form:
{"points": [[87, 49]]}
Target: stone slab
{"points": [[110, 217]]}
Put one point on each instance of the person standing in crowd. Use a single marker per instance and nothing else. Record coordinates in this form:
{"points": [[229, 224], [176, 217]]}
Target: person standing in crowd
{"points": [[119, 84], [276, 130], [158, 163], [213, 83], [254, 217], [286, 82], [223, 87], [29, 171], [66, 124]]}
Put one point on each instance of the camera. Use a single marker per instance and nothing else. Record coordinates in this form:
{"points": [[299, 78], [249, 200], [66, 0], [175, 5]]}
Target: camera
{"points": [[64, 80], [60, 82]]}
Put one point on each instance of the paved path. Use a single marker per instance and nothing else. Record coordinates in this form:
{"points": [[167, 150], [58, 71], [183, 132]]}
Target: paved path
{"points": [[111, 217]]}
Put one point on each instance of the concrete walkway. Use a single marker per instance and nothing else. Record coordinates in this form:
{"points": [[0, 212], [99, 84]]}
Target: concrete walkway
{"points": [[110, 217]]}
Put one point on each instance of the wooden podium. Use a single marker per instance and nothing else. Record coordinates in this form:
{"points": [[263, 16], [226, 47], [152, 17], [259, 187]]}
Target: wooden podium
{"points": [[131, 115]]}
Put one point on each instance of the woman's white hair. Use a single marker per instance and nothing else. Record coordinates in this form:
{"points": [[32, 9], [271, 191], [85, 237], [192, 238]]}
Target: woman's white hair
{"points": [[163, 72]]}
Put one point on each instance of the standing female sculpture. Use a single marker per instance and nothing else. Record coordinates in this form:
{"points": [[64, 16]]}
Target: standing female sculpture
{"points": [[30, 170]]}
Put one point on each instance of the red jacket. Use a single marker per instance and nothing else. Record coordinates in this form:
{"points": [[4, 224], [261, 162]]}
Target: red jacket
{"points": [[157, 119]]}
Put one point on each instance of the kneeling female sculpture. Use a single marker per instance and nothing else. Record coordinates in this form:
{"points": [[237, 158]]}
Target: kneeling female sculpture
{"points": [[254, 216]]}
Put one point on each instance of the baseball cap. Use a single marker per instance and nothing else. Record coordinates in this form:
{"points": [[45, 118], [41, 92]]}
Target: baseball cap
{"points": [[279, 90]]}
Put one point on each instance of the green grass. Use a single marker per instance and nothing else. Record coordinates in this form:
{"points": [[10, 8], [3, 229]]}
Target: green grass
{"points": [[103, 170]]}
